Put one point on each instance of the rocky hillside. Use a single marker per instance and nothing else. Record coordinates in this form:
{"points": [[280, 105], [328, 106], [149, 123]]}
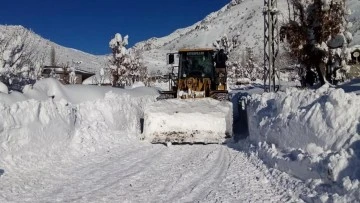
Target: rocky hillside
{"points": [[239, 17], [63, 55]]}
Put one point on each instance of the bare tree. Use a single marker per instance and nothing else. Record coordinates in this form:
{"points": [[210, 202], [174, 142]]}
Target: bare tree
{"points": [[312, 33]]}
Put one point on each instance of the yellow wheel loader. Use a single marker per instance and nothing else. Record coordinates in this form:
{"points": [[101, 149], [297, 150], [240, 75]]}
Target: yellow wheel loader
{"points": [[201, 73], [199, 110]]}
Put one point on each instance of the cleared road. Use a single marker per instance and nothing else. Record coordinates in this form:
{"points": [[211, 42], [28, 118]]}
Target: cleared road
{"points": [[153, 173]]}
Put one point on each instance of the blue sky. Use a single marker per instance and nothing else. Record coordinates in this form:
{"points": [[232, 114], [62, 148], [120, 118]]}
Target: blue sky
{"points": [[88, 25]]}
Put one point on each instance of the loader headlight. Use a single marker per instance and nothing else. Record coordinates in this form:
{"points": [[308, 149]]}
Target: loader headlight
{"points": [[184, 75], [356, 54], [203, 75]]}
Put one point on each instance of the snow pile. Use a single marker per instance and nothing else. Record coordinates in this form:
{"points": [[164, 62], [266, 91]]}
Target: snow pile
{"points": [[49, 118], [306, 119], [3, 88], [113, 113], [192, 120], [135, 85], [162, 86], [31, 127], [311, 134]]}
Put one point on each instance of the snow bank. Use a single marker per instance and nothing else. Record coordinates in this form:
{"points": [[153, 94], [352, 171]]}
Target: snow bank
{"points": [[113, 113], [325, 119], [311, 134], [3, 88], [29, 128], [135, 85], [51, 118], [192, 120]]}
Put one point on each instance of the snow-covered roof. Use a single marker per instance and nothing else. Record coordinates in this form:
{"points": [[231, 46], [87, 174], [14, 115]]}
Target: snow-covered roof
{"points": [[195, 49], [84, 71], [59, 69]]}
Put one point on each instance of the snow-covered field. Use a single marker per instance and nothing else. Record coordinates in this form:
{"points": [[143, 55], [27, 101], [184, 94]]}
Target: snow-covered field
{"points": [[83, 144]]}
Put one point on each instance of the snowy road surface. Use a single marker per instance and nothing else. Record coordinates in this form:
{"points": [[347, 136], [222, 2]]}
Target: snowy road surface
{"points": [[150, 173]]}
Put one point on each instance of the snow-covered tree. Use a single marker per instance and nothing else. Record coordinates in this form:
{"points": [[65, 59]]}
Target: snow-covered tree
{"points": [[104, 76], [18, 58], [120, 59], [17, 49], [238, 69], [248, 67], [226, 44], [137, 70], [126, 67], [250, 64], [71, 70], [36, 73], [101, 76], [317, 34]]}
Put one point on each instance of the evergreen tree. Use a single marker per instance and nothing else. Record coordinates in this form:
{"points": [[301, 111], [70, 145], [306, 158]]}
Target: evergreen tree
{"points": [[120, 60], [126, 67]]}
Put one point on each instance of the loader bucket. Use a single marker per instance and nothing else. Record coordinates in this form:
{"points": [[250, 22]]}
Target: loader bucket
{"points": [[203, 120]]}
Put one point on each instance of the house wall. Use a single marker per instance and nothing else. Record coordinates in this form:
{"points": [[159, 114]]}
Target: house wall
{"points": [[64, 78], [79, 79]]}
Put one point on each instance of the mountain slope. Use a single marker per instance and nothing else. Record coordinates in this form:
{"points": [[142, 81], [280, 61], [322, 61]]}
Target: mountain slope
{"points": [[239, 17], [63, 55]]}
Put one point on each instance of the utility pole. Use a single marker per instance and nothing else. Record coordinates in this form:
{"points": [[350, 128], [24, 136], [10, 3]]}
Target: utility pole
{"points": [[271, 45]]}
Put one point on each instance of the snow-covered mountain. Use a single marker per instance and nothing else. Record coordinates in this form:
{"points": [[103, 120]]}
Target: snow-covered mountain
{"points": [[84, 143], [63, 55], [239, 17]]}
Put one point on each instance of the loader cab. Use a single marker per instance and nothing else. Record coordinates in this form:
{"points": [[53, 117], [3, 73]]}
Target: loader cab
{"points": [[197, 73], [198, 63]]}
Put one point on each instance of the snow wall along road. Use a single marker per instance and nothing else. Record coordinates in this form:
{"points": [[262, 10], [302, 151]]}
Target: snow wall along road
{"points": [[50, 118], [312, 134], [327, 118]]}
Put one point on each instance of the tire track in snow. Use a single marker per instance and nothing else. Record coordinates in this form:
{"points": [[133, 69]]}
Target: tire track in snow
{"points": [[158, 175], [155, 173], [214, 168], [179, 169], [82, 175], [105, 175], [246, 182]]}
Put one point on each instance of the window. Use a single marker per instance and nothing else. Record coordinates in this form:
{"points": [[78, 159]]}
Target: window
{"points": [[196, 64]]}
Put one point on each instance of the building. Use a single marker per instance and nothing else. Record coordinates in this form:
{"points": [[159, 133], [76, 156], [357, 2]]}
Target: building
{"points": [[63, 74]]}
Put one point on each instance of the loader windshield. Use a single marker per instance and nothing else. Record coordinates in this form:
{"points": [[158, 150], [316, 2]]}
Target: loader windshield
{"points": [[196, 64]]}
